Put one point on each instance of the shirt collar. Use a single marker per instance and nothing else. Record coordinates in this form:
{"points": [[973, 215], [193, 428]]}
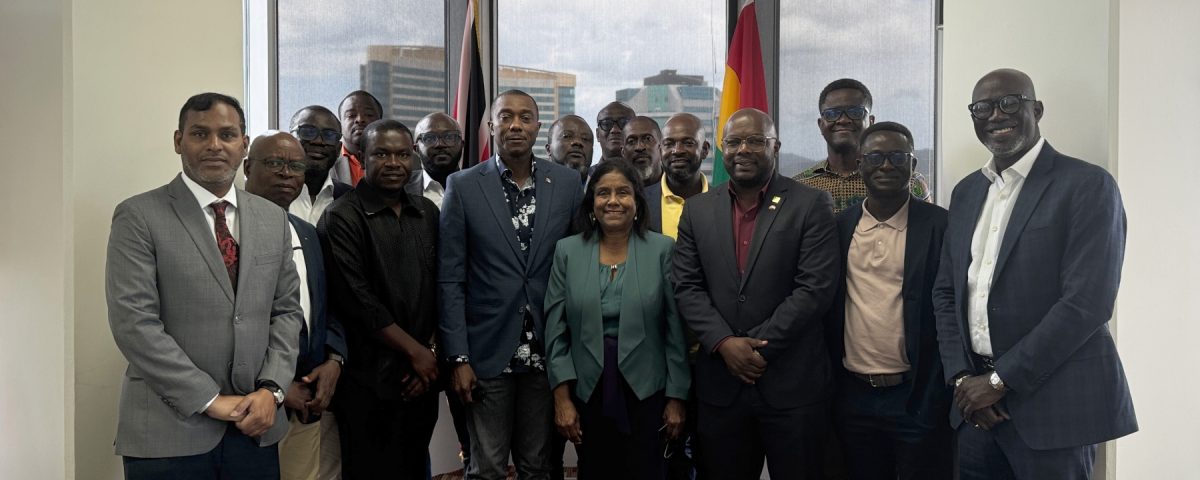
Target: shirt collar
{"points": [[428, 180], [898, 221], [761, 193], [1021, 168], [205, 197], [372, 200], [823, 168], [346, 153], [327, 186], [667, 193], [506, 173]]}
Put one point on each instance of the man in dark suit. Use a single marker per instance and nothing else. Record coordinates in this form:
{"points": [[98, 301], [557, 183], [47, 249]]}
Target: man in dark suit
{"points": [[891, 403], [681, 151], [275, 170], [500, 222], [1027, 281], [203, 301], [755, 267]]}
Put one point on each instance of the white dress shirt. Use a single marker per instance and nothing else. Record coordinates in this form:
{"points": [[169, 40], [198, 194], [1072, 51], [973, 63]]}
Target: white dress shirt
{"points": [[302, 271], [310, 209], [432, 189], [985, 243]]}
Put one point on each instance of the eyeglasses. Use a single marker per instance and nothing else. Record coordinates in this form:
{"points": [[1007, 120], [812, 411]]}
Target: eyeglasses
{"points": [[448, 138], [608, 123], [1008, 104], [857, 112], [898, 159], [309, 133], [278, 164], [756, 143]]}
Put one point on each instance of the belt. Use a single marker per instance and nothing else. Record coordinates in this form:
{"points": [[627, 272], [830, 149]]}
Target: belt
{"points": [[884, 380]]}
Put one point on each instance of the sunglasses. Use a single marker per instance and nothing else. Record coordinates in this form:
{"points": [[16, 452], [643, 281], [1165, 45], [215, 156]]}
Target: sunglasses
{"points": [[898, 159], [857, 112], [1009, 104], [309, 133]]}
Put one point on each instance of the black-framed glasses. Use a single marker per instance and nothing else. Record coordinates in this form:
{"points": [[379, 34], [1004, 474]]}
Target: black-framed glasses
{"points": [[857, 112], [309, 133], [898, 159], [753, 143], [277, 165], [608, 123], [448, 138], [1008, 104]]}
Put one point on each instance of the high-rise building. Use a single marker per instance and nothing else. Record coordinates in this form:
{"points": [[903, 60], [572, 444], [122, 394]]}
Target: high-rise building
{"points": [[668, 93], [554, 93]]}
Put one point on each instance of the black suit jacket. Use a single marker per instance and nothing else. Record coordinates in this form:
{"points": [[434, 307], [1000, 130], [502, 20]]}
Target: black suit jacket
{"points": [[1052, 294], [790, 280], [653, 195], [326, 329], [928, 396]]}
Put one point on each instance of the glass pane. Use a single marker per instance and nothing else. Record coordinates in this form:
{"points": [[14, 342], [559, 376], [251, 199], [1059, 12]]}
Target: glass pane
{"points": [[391, 48], [660, 57], [887, 45]]}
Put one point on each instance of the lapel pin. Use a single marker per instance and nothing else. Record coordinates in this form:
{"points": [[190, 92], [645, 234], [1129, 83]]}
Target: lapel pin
{"points": [[774, 202], [548, 180]]}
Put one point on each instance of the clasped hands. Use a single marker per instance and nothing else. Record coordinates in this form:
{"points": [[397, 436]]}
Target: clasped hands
{"points": [[742, 358], [977, 400], [253, 414]]}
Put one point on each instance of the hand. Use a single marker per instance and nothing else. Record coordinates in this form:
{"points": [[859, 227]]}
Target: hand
{"points": [[975, 393], [223, 408], [424, 365], [463, 381], [326, 378], [673, 418], [566, 418], [988, 417], [258, 409], [297, 398], [414, 386], [741, 358]]}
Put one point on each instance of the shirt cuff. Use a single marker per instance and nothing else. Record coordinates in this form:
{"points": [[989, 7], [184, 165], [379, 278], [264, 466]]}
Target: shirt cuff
{"points": [[459, 360], [717, 347], [209, 404]]}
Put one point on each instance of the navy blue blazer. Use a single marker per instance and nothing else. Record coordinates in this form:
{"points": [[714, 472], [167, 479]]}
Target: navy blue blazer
{"points": [[326, 329], [928, 395], [1053, 289], [653, 196], [486, 283]]}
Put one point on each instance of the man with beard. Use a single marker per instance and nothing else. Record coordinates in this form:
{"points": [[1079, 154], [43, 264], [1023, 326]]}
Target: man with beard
{"points": [[571, 144], [501, 221], [440, 146], [610, 127], [845, 107], [755, 267], [357, 110], [641, 148], [683, 148], [320, 133], [381, 246], [275, 170], [1025, 289]]}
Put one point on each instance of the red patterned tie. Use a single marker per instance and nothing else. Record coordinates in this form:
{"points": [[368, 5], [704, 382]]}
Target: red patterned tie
{"points": [[225, 242]]}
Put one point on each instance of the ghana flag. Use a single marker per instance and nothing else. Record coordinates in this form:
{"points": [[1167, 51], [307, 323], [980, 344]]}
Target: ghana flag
{"points": [[471, 99], [745, 85]]}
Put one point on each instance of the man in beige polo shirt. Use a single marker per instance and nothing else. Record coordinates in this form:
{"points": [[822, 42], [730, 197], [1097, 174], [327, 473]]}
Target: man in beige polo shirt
{"points": [[891, 406]]}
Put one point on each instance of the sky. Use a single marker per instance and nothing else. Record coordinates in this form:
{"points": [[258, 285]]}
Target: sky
{"points": [[614, 44]]}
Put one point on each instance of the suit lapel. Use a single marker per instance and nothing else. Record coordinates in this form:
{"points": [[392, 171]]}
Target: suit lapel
{"points": [[248, 223], [314, 271], [723, 222], [768, 209], [544, 194], [631, 330], [192, 218], [1031, 193], [916, 251], [593, 322], [493, 192], [973, 198]]}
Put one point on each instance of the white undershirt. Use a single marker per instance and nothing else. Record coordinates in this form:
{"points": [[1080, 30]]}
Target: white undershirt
{"points": [[310, 209], [205, 199], [302, 271]]}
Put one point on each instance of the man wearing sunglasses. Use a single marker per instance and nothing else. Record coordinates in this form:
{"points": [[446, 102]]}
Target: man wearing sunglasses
{"points": [[891, 402], [845, 108], [439, 143], [275, 170], [610, 127], [1026, 286], [320, 134]]}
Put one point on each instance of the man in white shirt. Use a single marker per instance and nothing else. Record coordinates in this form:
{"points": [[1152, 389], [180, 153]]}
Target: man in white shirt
{"points": [[439, 143], [320, 134]]}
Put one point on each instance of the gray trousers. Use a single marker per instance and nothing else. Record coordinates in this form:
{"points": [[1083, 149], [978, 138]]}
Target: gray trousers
{"points": [[512, 413]]}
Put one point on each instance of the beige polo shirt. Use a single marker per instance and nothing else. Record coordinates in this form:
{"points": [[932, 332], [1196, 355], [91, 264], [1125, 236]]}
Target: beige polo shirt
{"points": [[874, 337]]}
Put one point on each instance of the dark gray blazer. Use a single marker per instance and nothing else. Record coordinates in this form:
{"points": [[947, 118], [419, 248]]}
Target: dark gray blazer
{"points": [[485, 282], [176, 319], [790, 280], [1052, 294]]}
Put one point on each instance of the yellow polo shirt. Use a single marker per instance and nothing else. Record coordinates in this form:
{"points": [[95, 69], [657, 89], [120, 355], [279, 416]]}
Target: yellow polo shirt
{"points": [[672, 207]]}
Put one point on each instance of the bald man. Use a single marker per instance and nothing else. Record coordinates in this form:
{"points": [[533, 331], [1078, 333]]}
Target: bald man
{"points": [[571, 143], [275, 170], [610, 126], [439, 143], [755, 265], [681, 150]]}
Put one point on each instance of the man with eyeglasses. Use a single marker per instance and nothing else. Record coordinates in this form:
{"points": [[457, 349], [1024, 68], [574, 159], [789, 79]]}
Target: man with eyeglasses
{"points": [[440, 145], [755, 265], [610, 127], [320, 134], [275, 170], [1026, 287], [381, 244], [845, 108], [571, 144], [642, 135], [891, 401]]}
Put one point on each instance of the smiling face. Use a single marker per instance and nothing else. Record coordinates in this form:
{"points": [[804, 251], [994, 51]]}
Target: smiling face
{"points": [[571, 144], [683, 148], [514, 125], [614, 203], [388, 159], [278, 183], [1007, 135], [320, 153], [211, 145], [748, 166], [841, 134], [888, 179]]}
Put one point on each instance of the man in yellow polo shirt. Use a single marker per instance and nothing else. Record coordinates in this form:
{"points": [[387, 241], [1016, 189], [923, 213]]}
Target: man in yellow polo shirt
{"points": [[683, 148]]}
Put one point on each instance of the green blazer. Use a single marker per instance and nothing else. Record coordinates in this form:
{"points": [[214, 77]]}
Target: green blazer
{"points": [[651, 350]]}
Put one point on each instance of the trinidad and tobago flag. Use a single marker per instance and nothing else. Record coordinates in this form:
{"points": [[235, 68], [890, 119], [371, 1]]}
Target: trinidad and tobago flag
{"points": [[471, 100]]}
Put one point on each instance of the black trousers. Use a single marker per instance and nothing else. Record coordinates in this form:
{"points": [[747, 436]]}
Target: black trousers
{"points": [[236, 457], [1001, 454], [881, 440], [735, 439], [608, 454], [384, 438]]}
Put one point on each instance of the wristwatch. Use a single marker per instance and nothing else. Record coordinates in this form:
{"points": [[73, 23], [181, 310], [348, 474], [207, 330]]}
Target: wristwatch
{"points": [[996, 382], [341, 361], [274, 389], [958, 381]]}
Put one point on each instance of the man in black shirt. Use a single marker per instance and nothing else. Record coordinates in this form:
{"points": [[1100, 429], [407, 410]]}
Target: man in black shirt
{"points": [[381, 247]]}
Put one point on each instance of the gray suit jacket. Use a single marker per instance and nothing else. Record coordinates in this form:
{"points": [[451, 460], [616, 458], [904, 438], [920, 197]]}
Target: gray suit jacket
{"points": [[176, 319]]}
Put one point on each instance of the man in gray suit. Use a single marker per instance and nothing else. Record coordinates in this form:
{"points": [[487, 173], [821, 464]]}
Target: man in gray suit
{"points": [[1026, 286], [203, 301]]}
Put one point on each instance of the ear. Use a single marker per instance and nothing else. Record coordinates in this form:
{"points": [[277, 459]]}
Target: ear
{"points": [[491, 128], [178, 141], [778, 143], [1038, 110], [704, 150], [246, 166], [870, 120]]}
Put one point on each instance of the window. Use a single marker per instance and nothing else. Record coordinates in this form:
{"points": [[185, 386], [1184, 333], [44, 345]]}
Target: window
{"points": [[889, 46]]}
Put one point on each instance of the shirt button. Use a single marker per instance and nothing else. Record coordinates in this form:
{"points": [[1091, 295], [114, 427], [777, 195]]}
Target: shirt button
{"points": [[521, 310], [745, 242], [995, 228], [987, 262]]}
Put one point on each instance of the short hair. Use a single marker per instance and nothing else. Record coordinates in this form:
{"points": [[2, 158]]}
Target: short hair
{"points": [[202, 102], [379, 126], [887, 127], [653, 123], [845, 83], [513, 91], [583, 222], [318, 109], [364, 93]]}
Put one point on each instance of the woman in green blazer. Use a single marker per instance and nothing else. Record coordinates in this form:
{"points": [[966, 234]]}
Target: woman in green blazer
{"points": [[615, 346]]}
